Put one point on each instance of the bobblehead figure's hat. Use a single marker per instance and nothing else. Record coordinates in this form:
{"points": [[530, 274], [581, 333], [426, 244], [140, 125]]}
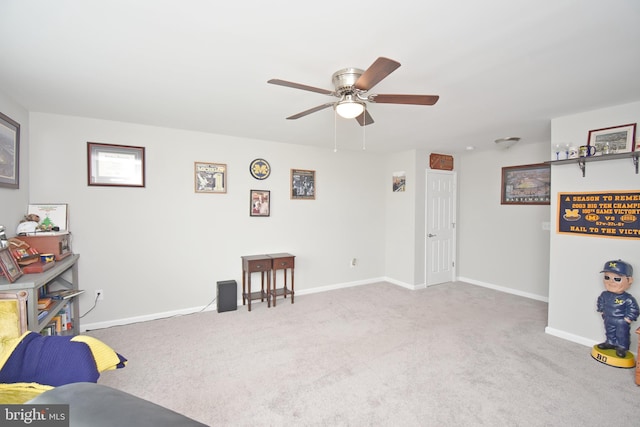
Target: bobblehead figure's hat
{"points": [[619, 267]]}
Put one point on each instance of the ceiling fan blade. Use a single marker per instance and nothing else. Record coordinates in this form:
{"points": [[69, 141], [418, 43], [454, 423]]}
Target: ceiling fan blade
{"points": [[404, 99], [365, 118], [380, 69], [300, 86], [311, 110]]}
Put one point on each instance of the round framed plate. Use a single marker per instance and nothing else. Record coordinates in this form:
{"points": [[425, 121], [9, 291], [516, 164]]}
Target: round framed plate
{"points": [[260, 169]]}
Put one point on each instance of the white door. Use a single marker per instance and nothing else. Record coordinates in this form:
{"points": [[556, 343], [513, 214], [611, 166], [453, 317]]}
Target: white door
{"points": [[440, 212]]}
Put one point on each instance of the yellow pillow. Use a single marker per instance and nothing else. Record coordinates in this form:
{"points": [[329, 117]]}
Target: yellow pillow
{"points": [[106, 359], [10, 324], [18, 393]]}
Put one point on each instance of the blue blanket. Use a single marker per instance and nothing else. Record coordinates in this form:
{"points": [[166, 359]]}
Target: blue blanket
{"points": [[52, 360]]}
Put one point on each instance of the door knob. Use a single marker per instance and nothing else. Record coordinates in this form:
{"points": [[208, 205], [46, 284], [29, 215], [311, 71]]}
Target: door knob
{"points": [[431, 235]]}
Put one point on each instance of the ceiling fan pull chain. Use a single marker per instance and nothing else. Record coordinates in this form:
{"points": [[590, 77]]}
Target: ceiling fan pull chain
{"points": [[335, 132], [364, 127]]}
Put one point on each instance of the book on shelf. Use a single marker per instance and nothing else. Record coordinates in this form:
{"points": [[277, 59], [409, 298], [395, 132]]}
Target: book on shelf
{"points": [[65, 318], [42, 314], [44, 302], [64, 293], [48, 330], [56, 322]]}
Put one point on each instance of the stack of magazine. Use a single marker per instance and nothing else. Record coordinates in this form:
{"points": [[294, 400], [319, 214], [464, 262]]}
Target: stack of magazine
{"points": [[64, 293]]}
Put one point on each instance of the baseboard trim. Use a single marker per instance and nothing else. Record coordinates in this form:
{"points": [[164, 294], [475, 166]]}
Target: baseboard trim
{"points": [[503, 289], [570, 337], [212, 307]]}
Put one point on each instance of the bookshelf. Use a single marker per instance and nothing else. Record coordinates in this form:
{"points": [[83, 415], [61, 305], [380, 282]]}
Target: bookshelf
{"points": [[64, 275]]}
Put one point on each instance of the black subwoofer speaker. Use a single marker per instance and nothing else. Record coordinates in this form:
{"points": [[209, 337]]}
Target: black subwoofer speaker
{"points": [[227, 295]]}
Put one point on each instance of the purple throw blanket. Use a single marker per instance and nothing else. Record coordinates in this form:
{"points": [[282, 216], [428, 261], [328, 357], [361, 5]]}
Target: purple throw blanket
{"points": [[51, 360]]}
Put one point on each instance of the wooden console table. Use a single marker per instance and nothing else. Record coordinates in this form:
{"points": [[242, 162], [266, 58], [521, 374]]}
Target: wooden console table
{"points": [[282, 261], [255, 264]]}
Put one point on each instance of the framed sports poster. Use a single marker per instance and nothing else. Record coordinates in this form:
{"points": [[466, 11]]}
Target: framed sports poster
{"points": [[303, 184], [260, 203], [210, 177]]}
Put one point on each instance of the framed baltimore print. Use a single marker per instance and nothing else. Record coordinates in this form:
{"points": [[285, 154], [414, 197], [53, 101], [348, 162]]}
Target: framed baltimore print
{"points": [[9, 266], [115, 165], [9, 152], [612, 140], [260, 203], [526, 185], [210, 177], [303, 184]]}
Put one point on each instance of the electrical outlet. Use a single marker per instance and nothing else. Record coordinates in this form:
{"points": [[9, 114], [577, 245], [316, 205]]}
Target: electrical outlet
{"points": [[354, 262], [99, 295]]}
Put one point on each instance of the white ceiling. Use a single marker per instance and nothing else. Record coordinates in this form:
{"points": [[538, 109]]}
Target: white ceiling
{"points": [[501, 67]]}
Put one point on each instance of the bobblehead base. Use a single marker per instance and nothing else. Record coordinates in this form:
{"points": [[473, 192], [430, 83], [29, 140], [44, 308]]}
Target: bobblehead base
{"points": [[609, 357]]}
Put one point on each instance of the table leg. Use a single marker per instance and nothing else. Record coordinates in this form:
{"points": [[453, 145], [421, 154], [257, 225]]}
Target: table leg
{"points": [[293, 292], [273, 294], [284, 273], [249, 291], [268, 290], [244, 289]]}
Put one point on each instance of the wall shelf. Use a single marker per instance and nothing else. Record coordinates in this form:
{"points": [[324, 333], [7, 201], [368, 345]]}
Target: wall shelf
{"points": [[582, 161]]}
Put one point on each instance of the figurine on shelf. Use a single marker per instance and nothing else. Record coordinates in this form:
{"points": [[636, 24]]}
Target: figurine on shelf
{"points": [[618, 308], [28, 225]]}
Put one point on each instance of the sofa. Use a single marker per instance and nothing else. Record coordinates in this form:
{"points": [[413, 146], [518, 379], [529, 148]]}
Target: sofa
{"points": [[95, 405]]}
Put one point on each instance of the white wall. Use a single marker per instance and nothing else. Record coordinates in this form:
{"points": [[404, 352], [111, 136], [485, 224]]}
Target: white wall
{"points": [[400, 219], [501, 246], [13, 202], [405, 220], [162, 248], [576, 260]]}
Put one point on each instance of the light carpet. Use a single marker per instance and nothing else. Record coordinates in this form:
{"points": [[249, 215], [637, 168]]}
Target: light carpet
{"points": [[374, 355]]}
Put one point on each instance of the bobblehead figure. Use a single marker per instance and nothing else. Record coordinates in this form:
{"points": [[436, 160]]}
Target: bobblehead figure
{"points": [[618, 308]]}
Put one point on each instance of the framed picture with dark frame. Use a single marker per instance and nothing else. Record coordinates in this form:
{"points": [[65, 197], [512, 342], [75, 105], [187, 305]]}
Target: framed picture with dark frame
{"points": [[260, 203], [9, 152], [612, 140], [210, 177], [303, 184], [526, 185], [115, 165], [9, 266]]}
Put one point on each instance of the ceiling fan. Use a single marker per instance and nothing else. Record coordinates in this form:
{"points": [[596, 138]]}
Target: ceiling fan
{"points": [[351, 86]]}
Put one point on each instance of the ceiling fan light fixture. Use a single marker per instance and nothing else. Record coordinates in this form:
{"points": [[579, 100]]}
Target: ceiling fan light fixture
{"points": [[349, 108]]}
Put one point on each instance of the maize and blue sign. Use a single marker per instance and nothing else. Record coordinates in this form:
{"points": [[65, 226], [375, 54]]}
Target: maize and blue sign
{"points": [[607, 214]]}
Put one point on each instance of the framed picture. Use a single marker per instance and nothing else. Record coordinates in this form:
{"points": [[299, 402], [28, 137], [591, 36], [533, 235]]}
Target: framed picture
{"points": [[526, 185], [612, 140], [303, 184], [9, 266], [53, 217], [210, 177], [260, 203], [9, 152], [115, 165], [260, 169], [399, 182]]}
